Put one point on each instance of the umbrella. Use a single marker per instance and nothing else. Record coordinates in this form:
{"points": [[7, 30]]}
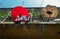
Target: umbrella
{"points": [[19, 10]]}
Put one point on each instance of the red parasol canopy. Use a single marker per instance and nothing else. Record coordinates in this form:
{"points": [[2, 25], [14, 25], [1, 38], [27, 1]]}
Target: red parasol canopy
{"points": [[18, 10]]}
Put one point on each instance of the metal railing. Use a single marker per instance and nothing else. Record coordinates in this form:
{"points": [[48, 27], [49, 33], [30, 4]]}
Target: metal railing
{"points": [[31, 22]]}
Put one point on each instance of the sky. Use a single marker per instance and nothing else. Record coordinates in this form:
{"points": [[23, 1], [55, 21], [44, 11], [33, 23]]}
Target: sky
{"points": [[28, 3]]}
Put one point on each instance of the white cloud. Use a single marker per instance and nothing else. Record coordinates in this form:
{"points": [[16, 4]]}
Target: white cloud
{"points": [[51, 2]]}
